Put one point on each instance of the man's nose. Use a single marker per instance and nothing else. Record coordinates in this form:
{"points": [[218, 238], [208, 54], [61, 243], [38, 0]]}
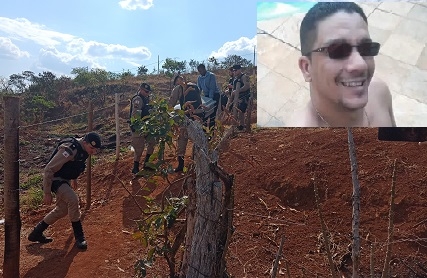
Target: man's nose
{"points": [[356, 62]]}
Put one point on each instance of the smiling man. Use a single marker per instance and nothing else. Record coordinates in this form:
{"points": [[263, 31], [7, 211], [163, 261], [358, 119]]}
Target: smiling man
{"points": [[338, 62]]}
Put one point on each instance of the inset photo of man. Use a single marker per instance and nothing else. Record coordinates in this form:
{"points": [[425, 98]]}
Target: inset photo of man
{"points": [[342, 64]]}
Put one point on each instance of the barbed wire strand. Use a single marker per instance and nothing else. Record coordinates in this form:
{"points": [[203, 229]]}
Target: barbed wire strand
{"points": [[69, 117]]}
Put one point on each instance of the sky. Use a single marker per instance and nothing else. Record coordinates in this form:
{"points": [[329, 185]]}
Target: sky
{"points": [[271, 10], [121, 35]]}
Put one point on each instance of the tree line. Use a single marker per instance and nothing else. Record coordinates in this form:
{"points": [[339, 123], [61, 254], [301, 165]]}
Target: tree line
{"points": [[44, 93]]}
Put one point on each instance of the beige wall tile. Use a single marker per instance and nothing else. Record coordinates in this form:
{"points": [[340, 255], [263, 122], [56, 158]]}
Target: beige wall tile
{"points": [[403, 48], [397, 7], [384, 20], [418, 12]]}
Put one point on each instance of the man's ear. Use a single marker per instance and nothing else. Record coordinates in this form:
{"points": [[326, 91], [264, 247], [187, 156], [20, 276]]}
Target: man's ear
{"points": [[304, 64]]}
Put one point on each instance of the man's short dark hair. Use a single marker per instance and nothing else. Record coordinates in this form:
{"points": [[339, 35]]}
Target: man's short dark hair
{"points": [[319, 12], [201, 66]]}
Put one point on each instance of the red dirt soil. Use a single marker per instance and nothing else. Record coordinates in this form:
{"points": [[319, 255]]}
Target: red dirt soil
{"points": [[274, 170]]}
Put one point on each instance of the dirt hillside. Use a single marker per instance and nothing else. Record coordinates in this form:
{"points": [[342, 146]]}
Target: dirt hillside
{"points": [[274, 171]]}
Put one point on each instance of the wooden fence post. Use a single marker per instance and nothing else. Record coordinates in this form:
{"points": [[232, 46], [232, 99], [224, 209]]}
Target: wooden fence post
{"points": [[89, 164], [356, 205], [12, 223], [116, 113]]}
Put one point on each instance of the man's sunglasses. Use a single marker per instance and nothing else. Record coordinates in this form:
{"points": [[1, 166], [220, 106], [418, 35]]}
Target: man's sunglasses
{"points": [[343, 50]]}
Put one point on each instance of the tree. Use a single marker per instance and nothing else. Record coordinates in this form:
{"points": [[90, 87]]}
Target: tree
{"points": [[193, 65], [142, 70], [17, 83], [172, 66], [4, 85], [213, 63], [231, 60], [87, 78], [44, 84], [205, 242], [113, 76]]}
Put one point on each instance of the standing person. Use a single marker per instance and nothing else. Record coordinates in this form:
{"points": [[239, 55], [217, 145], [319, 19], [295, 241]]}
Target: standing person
{"points": [[207, 83], [67, 162], [229, 89], [243, 93], [188, 95], [338, 63], [140, 108]]}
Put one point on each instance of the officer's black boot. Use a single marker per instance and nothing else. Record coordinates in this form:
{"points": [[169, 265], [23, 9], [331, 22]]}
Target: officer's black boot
{"points": [[78, 234], [135, 169], [147, 158], [180, 167], [37, 234]]}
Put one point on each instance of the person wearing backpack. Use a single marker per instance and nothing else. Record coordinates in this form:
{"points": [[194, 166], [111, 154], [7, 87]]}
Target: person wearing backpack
{"points": [[140, 108], [188, 95], [65, 165]]}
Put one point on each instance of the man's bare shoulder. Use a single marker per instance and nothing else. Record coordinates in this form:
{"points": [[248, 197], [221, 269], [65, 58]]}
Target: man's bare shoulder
{"points": [[379, 89]]}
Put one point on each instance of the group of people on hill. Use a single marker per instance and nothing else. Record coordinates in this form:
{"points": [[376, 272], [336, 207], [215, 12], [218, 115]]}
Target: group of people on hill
{"points": [[68, 161], [189, 96]]}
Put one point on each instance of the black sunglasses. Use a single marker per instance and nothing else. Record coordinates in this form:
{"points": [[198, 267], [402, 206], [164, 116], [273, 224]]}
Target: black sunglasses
{"points": [[343, 50]]}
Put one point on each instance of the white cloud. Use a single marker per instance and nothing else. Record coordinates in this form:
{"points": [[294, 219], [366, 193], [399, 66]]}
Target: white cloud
{"points": [[243, 47], [8, 50], [23, 29], [50, 59], [61, 52], [136, 4]]}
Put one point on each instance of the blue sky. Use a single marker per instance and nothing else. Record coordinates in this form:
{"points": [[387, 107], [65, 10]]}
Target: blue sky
{"points": [[270, 10], [117, 35]]}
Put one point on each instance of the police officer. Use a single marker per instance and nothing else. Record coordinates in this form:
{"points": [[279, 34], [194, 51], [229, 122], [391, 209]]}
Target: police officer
{"points": [[188, 95], [227, 93], [243, 93], [66, 163], [140, 108]]}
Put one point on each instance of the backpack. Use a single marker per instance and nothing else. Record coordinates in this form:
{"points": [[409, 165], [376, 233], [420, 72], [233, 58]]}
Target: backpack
{"points": [[72, 169]]}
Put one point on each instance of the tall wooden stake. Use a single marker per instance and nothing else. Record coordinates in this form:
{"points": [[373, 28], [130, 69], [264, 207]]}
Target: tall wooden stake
{"points": [[117, 127], [89, 163], [12, 222], [356, 205]]}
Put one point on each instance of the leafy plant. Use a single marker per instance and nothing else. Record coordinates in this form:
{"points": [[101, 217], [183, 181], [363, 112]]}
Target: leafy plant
{"points": [[153, 232], [160, 125], [33, 197], [33, 181]]}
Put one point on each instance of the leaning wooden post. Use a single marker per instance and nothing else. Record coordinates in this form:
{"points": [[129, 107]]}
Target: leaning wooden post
{"points": [[278, 255], [89, 163], [117, 126], [205, 253], [356, 205], [12, 223]]}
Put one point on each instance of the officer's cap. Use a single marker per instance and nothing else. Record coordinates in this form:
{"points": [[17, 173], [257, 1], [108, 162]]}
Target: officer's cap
{"points": [[146, 87], [93, 139]]}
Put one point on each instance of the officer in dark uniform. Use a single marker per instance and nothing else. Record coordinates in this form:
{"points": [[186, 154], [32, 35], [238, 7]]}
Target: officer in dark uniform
{"points": [[241, 89], [188, 95], [66, 163], [140, 108]]}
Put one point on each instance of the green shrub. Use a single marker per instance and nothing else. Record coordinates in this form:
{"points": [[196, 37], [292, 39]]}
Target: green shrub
{"points": [[34, 181], [33, 198]]}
